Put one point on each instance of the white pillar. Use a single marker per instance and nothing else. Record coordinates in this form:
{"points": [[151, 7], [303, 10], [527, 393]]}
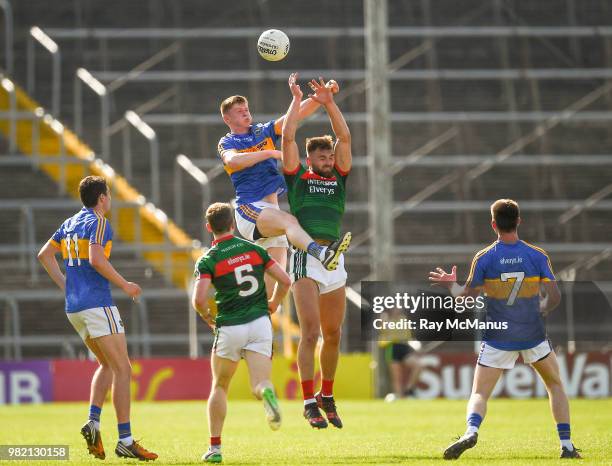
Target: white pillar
{"points": [[379, 140]]}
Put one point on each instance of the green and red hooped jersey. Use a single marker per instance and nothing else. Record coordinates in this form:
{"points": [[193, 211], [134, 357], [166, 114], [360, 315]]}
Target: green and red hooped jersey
{"points": [[236, 268], [317, 202]]}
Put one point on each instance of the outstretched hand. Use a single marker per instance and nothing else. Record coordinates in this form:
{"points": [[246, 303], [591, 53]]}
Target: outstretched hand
{"points": [[441, 278], [294, 87], [322, 93]]}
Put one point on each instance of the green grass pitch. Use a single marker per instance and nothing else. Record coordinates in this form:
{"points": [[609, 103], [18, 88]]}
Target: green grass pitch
{"points": [[403, 432]]}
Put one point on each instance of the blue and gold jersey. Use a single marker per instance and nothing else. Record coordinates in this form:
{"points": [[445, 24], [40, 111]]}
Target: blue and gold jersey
{"points": [[85, 287], [510, 275], [257, 181]]}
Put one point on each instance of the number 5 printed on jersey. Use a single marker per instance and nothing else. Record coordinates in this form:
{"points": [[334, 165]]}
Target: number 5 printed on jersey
{"points": [[242, 277]]}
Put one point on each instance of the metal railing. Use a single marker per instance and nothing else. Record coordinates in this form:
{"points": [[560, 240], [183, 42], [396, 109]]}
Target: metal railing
{"points": [[122, 78], [143, 108], [59, 130], [84, 76], [178, 119], [105, 92], [568, 114], [38, 35], [9, 87], [462, 160], [140, 338], [14, 115], [62, 159], [184, 163], [8, 36], [593, 201], [27, 248], [338, 32], [479, 74], [28, 237], [151, 136]]}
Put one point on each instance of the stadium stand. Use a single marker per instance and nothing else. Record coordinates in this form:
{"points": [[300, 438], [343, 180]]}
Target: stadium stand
{"points": [[482, 109]]}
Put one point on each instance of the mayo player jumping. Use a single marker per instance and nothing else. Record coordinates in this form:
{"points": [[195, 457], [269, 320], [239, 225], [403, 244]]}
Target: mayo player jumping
{"points": [[317, 196], [513, 274], [250, 158]]}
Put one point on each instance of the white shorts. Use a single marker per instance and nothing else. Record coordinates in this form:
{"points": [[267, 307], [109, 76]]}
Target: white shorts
{"points": [[231, 341], [502, 359], [303, 264], [246, 218], [96, 322]]}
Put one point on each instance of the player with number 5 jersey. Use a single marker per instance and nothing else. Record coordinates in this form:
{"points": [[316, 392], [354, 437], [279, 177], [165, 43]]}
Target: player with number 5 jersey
{"points": [[242, 326], [237, 268]]}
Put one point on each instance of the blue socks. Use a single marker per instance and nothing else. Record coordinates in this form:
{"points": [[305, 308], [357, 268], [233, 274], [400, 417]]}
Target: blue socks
{"points": [[125, 433], [94, 415], [125, 430], [564, 432], [315, 250], [473, 423]]}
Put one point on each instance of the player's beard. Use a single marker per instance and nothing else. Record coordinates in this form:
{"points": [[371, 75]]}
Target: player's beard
{"points": [[322, 172]]}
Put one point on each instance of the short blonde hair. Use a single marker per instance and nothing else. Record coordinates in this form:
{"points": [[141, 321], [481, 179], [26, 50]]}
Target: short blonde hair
{"points": [[228, 103]]}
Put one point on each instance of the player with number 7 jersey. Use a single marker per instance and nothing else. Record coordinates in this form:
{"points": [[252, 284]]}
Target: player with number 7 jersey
{"points": [[521, 290]]}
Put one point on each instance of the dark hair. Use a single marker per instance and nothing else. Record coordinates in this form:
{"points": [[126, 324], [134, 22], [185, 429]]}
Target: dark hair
{"points": [[228, 103], [220, 217], [90, 190], [506, 213], [319, 142]]}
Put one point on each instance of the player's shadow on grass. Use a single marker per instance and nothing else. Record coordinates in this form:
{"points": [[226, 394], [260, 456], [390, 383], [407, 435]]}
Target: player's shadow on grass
{"points": [[374, 459], [379, 459]]}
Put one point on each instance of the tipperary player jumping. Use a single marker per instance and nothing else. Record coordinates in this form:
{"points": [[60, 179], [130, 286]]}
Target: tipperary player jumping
{"points": [[250, 158], [85, 241], [236, 269], [514, 274], [316, 197]]}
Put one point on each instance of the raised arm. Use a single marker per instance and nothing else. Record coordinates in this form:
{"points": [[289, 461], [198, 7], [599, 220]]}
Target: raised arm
{"points": [[291, 154], [308, 106], [342, 150], [305, 109]]}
